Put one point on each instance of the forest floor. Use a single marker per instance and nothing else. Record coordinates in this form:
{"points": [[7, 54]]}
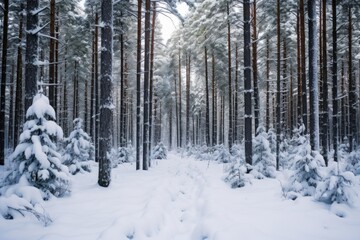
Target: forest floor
{"points": [[181, 198]]}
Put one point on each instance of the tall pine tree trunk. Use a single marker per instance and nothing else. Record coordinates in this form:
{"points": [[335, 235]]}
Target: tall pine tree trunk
{"points": [[303, 65], [151, 87], [313, 78], [247, 83], [352, 87], [188, 100], [52, 87], [180, 103], [214, 103], [138, 86], [19, 105], [267, 83], [3, 81], [278, 92], [335, 82], [325, 113], [106, 105], [207, 114], [230, 136], [146, 136], [254, 67], [31, 55], [96, 79]]}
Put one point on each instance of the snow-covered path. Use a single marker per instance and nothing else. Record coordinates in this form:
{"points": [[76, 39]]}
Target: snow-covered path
{"points": [[183, 199]]}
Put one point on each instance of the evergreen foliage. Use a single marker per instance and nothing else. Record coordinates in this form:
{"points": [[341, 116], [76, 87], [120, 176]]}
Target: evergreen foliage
{"points": [[159, 152], [307, 164], [36, 157], [263, 158], [79, 150]]}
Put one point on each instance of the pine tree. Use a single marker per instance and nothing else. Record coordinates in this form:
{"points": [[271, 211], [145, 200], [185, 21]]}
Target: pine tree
{"points": [[36, 158], [263, 159], [79, 150]]}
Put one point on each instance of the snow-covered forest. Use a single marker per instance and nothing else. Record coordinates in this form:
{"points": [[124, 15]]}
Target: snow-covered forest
{"points": [[245, 123]]}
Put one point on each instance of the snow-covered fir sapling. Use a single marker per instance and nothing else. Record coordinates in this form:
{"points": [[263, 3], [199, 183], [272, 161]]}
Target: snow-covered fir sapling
{"points": [[307, 165], [263, 158], [353, 162], [79, 150], [36, 160], [337, 187], [122, 155], [222, 154], [235, 170], [159, 152]]}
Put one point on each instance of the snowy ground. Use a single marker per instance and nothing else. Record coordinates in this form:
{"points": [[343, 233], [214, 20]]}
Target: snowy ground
{"points": [[181, 198]]}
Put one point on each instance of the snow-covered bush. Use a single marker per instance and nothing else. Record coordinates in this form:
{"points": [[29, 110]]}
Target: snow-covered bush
{"points": [[204, 153], [307, 166], [336, 187], [235, 174], [263, 158], [159, 152], [79, 150], [122, 155], [36, 159], [221, 154], [353, 162], [271, 137]]}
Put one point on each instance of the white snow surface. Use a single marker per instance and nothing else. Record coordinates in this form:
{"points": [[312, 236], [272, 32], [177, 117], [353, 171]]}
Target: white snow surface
{"points": [[183, 199]]}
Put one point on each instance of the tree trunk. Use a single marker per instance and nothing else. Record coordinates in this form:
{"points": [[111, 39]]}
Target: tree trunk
{"points": [[303, 65], [254, 67], [31, 55], [188, 100], [3, 81], [352, 87], [214, 103], [180, 112], [299, 69], [122, 90], [146, 136], [313, 78], [335, 82], [151, 87], [325, 113], [52, 87], [247, 83], [267, 83], [138, 86], [19, 113], [236, 97], [106, 105], [278, 92], [207, 114], [97, 93], [230, 137]]}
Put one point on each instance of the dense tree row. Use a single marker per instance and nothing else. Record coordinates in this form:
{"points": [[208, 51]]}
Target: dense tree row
{"points": [[231, 68]]}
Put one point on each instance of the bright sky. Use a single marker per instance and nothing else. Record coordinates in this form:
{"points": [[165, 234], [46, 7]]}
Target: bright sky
{"points": [[169, 22]]}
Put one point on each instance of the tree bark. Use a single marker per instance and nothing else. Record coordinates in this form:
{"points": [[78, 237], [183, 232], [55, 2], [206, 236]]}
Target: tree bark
{"points": [[313, 80], [214, 103], [106, 105], [230, 133], [303, 65], [138, 86], [207, 114], [352, 87], [325, 113], [151, 87], [146, 136], [254, 67], [52, 87], [188, 100], [19, 114], [335, 82], [278, 92], [247, 83], [267, 83], [3, 81]]}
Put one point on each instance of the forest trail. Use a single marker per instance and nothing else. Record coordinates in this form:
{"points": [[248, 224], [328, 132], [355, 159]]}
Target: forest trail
{"points": [[181, 199]]}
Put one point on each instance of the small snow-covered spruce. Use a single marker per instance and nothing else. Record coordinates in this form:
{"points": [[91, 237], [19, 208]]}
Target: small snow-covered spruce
{"points": [[336, 187], [159, 152], [79, 150], [307, 167], [263, 159], [353, 162], [122, 155], [222, 154], [36, 158], [235, 174]]}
